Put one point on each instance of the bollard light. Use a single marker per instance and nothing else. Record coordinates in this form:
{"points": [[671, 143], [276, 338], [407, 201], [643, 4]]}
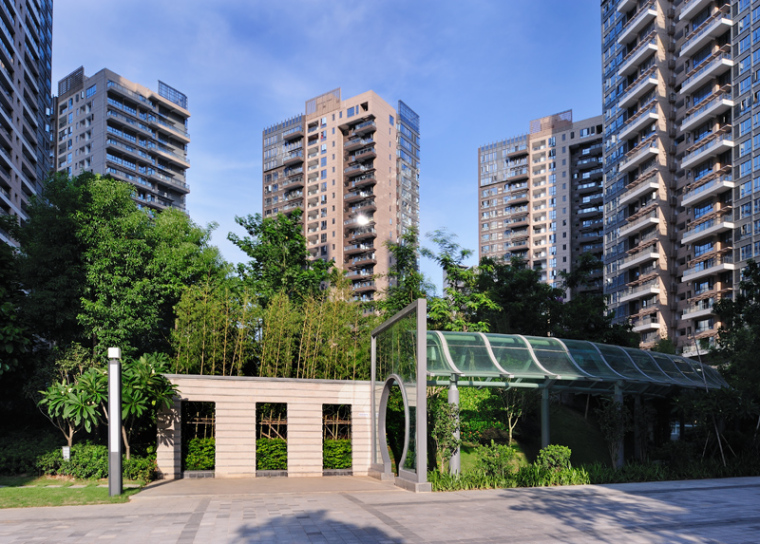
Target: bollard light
{"points": [[114, 422]]}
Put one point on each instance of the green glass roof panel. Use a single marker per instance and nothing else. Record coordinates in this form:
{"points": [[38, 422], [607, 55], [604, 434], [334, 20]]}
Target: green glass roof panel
{"points": [[669, 368], [687, 370], [647, 365], [469, 353], [552, 356], [512, 354], [436, 359], [620, 363], [588, 358], [712, 375]]}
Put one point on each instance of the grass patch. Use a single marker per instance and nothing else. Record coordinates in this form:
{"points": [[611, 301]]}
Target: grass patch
{"points": [[36, 491]]}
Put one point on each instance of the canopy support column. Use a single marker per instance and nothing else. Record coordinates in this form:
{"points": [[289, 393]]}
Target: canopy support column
{"points": [[455, 463], [618, 400], [545, 429]]}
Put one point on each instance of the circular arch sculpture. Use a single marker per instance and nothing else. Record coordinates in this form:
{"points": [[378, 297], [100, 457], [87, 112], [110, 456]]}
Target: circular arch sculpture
{"points": [[382, 420]]}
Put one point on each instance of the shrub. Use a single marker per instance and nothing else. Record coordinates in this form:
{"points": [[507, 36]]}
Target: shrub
{"points": [[336, 454], [89, 461], [201, 454], [554, 457], [139, 468], [271, 454], [19, 452], [495, 460]]}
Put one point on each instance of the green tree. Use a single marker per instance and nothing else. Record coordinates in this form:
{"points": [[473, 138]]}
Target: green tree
{"points": [[739, 333], [525, 305], [462, 303], [136, 267], [279, 259], [585, 315], [14, 339], [405, 281], [51, 259]]}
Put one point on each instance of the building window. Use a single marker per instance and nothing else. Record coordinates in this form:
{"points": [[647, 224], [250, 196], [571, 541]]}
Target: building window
{"points": [[90, 91]]}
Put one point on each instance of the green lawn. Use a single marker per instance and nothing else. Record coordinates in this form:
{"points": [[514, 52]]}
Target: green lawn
{"points": [[25, 492]]}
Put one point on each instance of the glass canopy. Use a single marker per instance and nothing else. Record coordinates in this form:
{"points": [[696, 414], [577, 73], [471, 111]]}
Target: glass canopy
{"points": [[527, 361]]}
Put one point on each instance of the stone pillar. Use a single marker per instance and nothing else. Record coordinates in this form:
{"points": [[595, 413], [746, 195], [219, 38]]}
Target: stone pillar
{"points": [[618, 398]]}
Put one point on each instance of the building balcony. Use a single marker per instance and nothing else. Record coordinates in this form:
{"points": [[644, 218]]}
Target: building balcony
{"points": [[714, 187], [640, 291], [636, 192], [294, 157], [365, 233], [356, 143], [710, 267], [358, 248], [358, 169], [636, 24], [293, 133], [626, 5], [648, 323], [639, 121], [363, 207], [637, 259], [363, 287], [361, 261], [719, 65], [707, 228], [355, 196], [634, 58], [363, 154], [717, 144], [639, 154], [640, 223], [708, 110], [718, 24], [639, 88], [362, 181], [365, 127], [703, 308], [689, 8]]}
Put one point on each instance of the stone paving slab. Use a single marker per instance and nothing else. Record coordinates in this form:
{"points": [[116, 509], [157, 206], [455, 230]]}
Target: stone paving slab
{"points": [[327, 510]]}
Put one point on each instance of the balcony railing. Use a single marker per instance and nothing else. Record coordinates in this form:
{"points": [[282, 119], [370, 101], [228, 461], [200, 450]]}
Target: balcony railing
{"points": [[709, 65]]}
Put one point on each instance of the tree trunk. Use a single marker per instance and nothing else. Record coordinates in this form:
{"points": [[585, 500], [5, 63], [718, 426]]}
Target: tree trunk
{"points": [[126, 441]]}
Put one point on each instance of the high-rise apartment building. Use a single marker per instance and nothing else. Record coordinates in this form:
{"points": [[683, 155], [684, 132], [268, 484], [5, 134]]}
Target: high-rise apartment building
{"points": [[25, 78], [676, 101], [707, 231], [540, 195], [638, 77], [352, 166], [108, 125]]}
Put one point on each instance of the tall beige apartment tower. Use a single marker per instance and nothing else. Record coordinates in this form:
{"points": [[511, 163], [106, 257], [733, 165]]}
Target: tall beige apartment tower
{"points": [[25, 102], [679, 133], [109, 125], [639, 65], [352, 166], [540, 196]]}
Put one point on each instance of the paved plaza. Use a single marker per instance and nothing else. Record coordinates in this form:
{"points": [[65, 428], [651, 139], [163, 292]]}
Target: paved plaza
{"points": [[357, 510]]}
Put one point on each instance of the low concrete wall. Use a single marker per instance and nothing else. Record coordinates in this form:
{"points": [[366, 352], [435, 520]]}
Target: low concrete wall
{"points": [[235, 399]]}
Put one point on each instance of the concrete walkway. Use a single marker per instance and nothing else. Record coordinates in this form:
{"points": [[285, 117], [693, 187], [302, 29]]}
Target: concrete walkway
{"points": [[357, 510]]}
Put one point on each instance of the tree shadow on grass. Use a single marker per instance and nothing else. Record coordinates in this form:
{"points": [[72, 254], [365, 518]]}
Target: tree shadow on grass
{"points": [[310, 527]]}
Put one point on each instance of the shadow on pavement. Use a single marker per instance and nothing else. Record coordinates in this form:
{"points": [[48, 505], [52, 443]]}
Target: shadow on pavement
{"points": [[311, 527]]}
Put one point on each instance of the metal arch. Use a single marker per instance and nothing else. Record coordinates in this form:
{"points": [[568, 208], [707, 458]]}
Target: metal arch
{"points": [[604, 360], [447, 353], [535, 359], [572, 360], [670, 381], [492, 356], [628, 356]]}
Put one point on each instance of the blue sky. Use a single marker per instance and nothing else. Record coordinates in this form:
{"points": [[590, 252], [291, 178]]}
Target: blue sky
{"points": [[475, 72]]}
